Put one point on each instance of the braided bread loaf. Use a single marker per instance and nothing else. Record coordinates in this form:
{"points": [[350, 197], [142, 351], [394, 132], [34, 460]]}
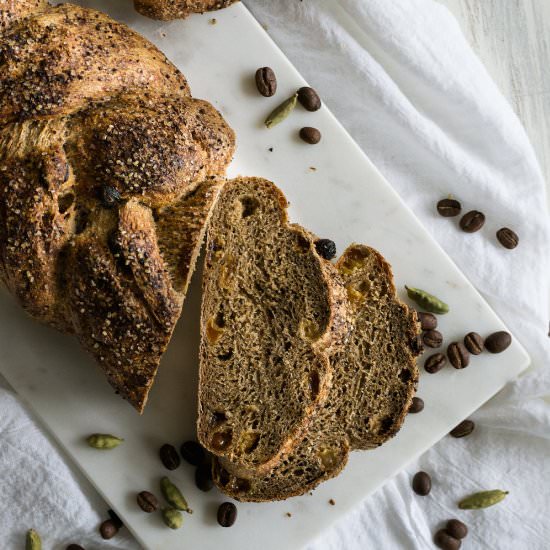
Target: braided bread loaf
{"points": [[108, 174], [176, 9]]}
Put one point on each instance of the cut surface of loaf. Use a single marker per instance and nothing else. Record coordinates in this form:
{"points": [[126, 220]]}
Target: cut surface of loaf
{"points": [[178, 9], [374, 380], [109, 171], [272, 312]]}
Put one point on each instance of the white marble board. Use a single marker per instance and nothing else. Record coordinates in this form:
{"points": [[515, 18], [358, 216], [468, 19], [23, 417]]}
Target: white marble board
{"points": [[345, 199]]}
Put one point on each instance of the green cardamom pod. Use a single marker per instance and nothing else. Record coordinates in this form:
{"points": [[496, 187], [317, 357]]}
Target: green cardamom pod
{"points": [[282, 111], [104, 441], [427, 301], [484, 499], [173, 495], [33, 541], [172, 518]]}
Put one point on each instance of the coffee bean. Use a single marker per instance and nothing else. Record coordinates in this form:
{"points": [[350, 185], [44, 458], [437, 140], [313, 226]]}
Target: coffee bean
{"points": [[74, 547], [435, 363], [417, 346], [310, 135], [449, 208], [456, 529], [110, 196], [266, 81], [432, 339], [444, 541], [147, 501], [169, 457], [474, 343], [116, 520], [326, 248], [422, 483], [309, 98], [203, 477], [193, 453], [498, 342], [227, 514], [417, 405], [108, 529], [458, 355], [472, 221], [507, 238], [466, 427], [428, 321]]}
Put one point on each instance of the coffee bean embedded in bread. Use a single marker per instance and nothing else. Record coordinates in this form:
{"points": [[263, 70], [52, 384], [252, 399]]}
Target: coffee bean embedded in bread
{"points": [[507, 238], [498, 342], [309, 98], [108, 529], [203, 477], [326, 248], [474, 343], [449, 208], [147, 501], [432, 338], [266, 81], [456, 529], [417, 405], [169, 457], [443, 540], [435, 363], [466, 427], [422, 484], [110, 196], [417, 347], [472, 221], [428, 321], [310, 135], [458, 355], [193, 453], [227, 514]]}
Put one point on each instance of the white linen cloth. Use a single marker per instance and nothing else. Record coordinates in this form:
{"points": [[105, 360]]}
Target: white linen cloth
{"points": [[402, 79]]}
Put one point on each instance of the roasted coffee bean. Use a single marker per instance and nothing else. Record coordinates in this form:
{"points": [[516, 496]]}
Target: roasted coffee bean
{"points": [[417, 405], [203, 477], [74, 547], [147, 501], [169, 457], [310, 135], [227, 514], [417, 346], [458, 355], [456, 529], [326, 248], [428, 321], [116, 520], [466, 427], [193, 453], [432, 339], [472, 221], [422, 484], [266, 81], [435, 363], [309, 98], [110, 196], [474, 343], [108, 529], [444, 541], [507, 238], [498, 341], [449, 208]]}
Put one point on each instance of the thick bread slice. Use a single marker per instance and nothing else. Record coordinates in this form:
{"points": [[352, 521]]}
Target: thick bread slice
{"points": [[374, 380], [178, 9], [273, 310]]}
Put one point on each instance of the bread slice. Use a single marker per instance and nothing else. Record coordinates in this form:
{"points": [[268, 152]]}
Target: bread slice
{"points": [[178, 9], [374, 380], [273, 310]]}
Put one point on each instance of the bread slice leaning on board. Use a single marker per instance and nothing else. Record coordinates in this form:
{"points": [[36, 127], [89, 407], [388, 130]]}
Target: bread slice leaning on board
{"points": [[178, 9], [373, 382], [109, 171], [273, 311]]}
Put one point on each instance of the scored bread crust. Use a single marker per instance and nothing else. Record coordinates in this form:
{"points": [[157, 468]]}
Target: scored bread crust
{"points": [[109, 171], [371, 393], [243, 284], [178, 9]]}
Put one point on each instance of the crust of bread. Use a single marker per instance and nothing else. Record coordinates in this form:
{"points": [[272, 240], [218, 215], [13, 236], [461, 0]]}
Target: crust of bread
{"points": [[178, 9]]}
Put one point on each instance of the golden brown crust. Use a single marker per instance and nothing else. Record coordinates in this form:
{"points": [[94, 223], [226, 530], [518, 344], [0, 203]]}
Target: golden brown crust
{"points": [[105, 160], [178, 9]]}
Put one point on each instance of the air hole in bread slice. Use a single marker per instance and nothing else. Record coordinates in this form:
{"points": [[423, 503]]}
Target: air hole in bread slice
{"points": [[249, 206], [65, 202], [314, 383], [226, 356], [405, 375]]}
